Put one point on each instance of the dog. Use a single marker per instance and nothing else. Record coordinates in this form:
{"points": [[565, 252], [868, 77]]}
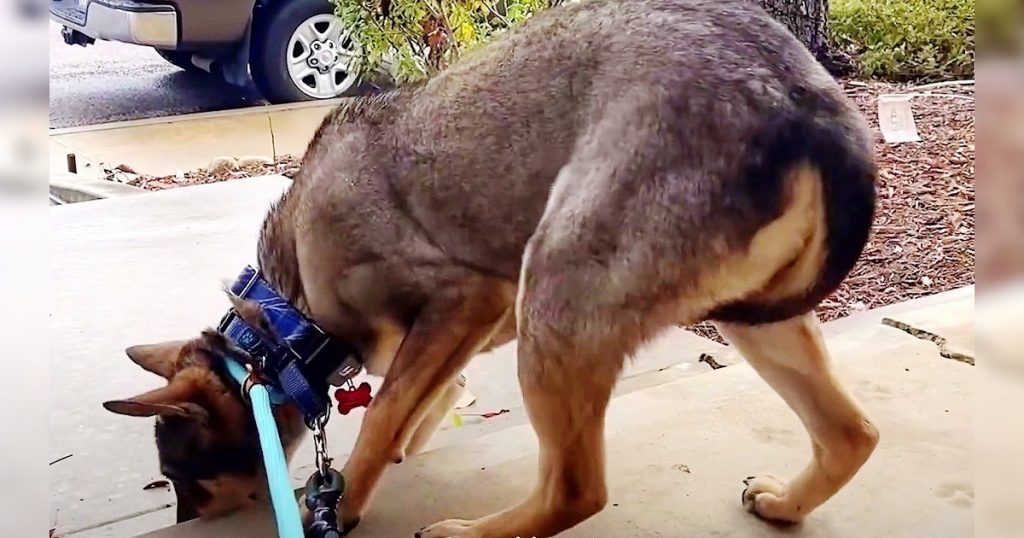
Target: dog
{"points": [[602, 172]]}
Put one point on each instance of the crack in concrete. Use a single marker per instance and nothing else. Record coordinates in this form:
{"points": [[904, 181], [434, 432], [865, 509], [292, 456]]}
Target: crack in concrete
{"points": [[113, 521], [939, 341]]}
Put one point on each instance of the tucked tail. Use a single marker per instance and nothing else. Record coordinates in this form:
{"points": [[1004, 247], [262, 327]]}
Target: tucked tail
{"points": [[843, 156]]}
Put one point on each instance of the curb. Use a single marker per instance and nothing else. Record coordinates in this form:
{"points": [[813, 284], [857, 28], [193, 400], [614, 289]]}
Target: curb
{"points": [[216, 114], [169, 145], [874, 316], [71, 188]]}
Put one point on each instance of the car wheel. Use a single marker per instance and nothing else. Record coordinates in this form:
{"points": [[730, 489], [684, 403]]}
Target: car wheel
{"points": [[302, 52], [179, 58]]}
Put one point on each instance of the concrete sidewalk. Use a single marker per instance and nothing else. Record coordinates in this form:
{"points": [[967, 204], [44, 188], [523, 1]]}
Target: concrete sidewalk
{"points": [[124, 272], [677, 453], [681, 437], [140, 269]]}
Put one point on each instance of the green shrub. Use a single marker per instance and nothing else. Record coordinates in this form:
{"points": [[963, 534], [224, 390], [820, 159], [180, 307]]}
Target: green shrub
{"points": [[1000, 23], [906, 39], [399, 38]]}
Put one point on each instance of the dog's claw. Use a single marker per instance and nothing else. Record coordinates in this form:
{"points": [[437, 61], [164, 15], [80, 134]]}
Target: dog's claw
{"points": [[743, 494]]}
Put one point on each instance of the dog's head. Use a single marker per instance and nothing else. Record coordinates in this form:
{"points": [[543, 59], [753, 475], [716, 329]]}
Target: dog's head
{"points": [[206, 439], [206, 443]]}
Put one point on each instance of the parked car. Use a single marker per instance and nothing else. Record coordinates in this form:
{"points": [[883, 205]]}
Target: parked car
{"points": [[293, 50]]}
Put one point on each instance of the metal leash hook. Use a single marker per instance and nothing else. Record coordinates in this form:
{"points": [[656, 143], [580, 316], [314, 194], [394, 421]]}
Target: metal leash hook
{"points": [[323, 461], [325, 487]]}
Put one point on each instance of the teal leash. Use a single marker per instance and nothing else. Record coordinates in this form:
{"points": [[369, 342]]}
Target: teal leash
{"points": [[282, 497]]}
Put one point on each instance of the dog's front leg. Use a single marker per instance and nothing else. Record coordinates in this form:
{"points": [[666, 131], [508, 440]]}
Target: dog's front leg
{"points": [[443, 338]]}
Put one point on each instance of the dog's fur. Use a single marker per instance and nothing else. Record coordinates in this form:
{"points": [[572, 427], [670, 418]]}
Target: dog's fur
{"points": [[605, 171]]}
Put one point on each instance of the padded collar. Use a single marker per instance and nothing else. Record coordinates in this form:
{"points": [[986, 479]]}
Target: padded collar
{"points": [[299, 358]]}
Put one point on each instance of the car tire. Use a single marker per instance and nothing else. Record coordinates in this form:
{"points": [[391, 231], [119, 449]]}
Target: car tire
{"points": [[276, 41], [179, 58]]}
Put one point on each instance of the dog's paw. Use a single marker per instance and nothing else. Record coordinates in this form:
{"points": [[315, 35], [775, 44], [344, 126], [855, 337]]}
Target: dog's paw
{"points": [[449, 528], [765, 497]]}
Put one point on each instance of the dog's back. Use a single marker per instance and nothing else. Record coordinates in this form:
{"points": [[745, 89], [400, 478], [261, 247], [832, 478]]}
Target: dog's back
{"points": [[702, 107]]}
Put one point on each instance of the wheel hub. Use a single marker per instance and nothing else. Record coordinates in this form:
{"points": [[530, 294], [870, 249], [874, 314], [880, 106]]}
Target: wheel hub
{"points": [[324, 55], [319, 54]]}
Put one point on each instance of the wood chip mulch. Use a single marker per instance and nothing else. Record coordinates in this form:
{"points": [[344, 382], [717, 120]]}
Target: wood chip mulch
{"points": [[923, 237]]}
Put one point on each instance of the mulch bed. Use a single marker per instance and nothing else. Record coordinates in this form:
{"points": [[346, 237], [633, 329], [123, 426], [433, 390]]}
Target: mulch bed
{"points": [[286, 166], [923, 238]]}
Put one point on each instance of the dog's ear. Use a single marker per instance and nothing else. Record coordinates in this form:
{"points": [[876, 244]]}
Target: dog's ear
{"points": [[251, 313], [159, 359], [168, 401]]}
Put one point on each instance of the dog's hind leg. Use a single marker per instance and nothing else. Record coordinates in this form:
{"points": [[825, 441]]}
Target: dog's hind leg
{"points": [[445, 335], [791, 357]]}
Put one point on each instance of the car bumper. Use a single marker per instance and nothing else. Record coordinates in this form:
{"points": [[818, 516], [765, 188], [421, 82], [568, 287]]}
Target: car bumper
{"points": [[128, 21]]}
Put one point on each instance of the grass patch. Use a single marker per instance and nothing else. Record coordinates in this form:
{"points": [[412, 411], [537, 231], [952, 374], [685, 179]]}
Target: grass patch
{"points": [[906, 39]]}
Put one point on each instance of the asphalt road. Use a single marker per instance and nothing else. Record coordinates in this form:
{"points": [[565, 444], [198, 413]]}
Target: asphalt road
{"points": [[107, 82]]}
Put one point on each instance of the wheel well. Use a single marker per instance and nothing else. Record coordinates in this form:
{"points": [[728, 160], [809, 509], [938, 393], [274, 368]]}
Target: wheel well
{"points": [[261, 10], [266, 6]]}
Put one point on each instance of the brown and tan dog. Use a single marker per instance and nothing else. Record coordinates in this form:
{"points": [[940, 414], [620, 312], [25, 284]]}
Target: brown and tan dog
{"points": [[612, 169]]}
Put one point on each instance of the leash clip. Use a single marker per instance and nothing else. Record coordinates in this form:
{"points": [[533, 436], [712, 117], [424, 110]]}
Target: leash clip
{"points": [[323, 461], [323, 493], [325, 486]]}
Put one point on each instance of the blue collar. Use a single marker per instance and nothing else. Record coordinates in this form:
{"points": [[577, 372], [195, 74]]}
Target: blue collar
{"points": [[300, 358]]}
